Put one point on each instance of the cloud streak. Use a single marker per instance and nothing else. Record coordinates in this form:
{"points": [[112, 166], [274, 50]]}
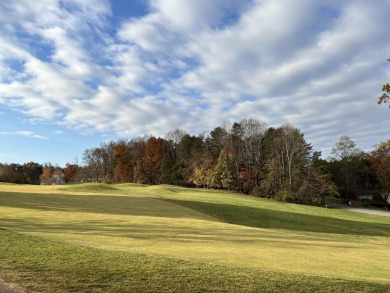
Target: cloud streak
{"points": [[318, 65], [25, 133]]}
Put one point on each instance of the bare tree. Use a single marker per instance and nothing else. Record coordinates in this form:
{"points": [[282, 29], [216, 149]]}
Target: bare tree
{"points": [[287, 157], [347, 159], [252, 134], [93, 159], [344, 148], [173, 139]]}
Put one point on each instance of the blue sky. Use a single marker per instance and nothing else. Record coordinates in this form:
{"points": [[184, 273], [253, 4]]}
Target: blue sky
{"points": [[74, 74]]}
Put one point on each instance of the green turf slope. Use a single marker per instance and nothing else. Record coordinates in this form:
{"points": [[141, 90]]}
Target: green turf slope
{"points": [[201, 232]]}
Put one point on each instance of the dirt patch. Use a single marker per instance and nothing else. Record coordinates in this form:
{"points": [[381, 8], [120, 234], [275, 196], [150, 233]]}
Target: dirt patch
{"points": [[10, 288]]}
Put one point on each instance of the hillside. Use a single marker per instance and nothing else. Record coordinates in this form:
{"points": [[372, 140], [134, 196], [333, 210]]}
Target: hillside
{"points": [[194, 229]]}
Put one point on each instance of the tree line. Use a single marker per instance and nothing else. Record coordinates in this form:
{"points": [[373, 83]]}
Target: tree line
{"points": [[247, 156]]}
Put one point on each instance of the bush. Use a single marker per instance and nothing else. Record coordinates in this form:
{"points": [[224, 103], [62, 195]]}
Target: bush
{"points": [[285, 195], [317, 201], [379, 204], [365, 203], [107, 180], [259, 192]]}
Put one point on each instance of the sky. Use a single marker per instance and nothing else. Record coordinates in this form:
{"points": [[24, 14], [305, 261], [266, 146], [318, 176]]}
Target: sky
{"points": [[74, 74]]}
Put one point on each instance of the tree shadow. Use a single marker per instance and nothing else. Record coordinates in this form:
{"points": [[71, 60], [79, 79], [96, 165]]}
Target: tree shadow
{"points": [[99, 203], [123, 234], [218, 212], [270, 219]]}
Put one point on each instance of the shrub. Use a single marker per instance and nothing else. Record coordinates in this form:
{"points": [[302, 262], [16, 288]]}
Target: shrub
{"points": [[365, 203]]}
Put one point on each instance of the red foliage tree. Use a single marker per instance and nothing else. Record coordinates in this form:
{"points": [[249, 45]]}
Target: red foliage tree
{"points": [[70, 172], [124, 168], [153, 158], [380, 163]]}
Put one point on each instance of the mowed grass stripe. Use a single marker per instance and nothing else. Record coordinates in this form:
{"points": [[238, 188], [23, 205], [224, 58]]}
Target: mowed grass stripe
{"points": [[41, 265]]}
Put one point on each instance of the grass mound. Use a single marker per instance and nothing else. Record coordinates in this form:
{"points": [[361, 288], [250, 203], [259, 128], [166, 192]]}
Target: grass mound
{"points": [[91, 187]]}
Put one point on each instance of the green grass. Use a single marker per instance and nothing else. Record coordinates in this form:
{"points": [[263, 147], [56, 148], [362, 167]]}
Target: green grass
{"points": [[49, 266], [177, 239]]}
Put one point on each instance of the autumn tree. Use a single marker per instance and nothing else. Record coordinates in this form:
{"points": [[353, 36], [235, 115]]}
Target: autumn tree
{"points": [[109, 160], [93, 159], [288, 165], [32, 172], [291, 150], [253, 133], [386, 91], [189, 152], [71, 172], [138, 147], [316, 184], [223, 173], [203, 171], [4, 173], [12, 173], [344, 148], [252, 153], [124, 164], [346, 164], [155, 151], [140, 175], [380, 163], [217, 140], [173, 139], [235, 145], [47, 174], [167, 163]]}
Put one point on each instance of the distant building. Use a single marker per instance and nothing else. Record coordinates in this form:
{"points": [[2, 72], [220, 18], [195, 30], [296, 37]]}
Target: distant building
{"points": [[366, 196], [58, 179]]}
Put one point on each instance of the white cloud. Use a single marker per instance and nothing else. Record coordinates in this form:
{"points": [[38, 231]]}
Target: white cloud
{"points": [[316, 64], [194, 15], [26, 133]]}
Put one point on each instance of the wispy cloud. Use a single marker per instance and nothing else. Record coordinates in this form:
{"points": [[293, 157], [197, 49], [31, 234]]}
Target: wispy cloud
{"points": [[26, 133]]}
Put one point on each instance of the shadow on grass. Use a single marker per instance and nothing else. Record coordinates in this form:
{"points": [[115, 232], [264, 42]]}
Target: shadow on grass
{"points": [[41, 265], [266, 218], [122, 234], [234, 214], [99, 203]]}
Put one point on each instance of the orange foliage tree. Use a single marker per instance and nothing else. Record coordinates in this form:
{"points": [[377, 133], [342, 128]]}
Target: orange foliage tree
{"points": [[124, 167], [47, 174], [384, 98], [153, 158], [70, 172]]}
